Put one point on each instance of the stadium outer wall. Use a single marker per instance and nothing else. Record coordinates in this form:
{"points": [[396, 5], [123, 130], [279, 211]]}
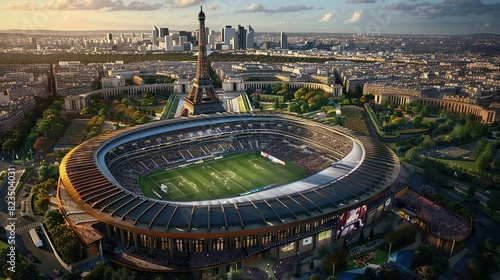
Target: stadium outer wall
{"points": [[161, 236]]}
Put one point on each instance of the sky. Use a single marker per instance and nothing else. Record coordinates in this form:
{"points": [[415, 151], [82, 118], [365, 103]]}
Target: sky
{"points": [[322, 16]]}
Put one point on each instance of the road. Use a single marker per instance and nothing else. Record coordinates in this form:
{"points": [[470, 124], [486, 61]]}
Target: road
{"points": [[26, 222]]}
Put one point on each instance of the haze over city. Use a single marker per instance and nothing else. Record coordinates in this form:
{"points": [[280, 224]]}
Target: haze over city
{"points": [[349, 16]]}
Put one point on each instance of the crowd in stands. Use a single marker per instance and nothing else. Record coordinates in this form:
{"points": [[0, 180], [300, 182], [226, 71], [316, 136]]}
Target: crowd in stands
{"points": [[312, 147]]}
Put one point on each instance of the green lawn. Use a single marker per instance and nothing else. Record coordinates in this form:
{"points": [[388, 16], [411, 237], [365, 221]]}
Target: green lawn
{"points": [[232, 175], [463, 163]]}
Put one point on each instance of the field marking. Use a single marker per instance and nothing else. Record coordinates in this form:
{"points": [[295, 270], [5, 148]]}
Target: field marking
{"points": [[256, 166], [173, 187], [221, 173], [222, 181], [227, 178]]}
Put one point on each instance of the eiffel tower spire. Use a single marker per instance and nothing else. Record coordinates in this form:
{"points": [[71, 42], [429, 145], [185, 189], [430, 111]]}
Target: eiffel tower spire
{"points": [[202, 98]]}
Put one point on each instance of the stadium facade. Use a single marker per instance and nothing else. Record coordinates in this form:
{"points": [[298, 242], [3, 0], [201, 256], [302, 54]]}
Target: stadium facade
{"points": [[354, 182]]}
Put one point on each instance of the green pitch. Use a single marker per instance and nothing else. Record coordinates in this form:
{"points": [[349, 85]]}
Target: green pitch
{"points": [[232, 175]]}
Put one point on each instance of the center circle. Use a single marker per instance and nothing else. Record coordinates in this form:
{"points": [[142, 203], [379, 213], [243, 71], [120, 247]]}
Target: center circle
{"points": [[225, 175]]}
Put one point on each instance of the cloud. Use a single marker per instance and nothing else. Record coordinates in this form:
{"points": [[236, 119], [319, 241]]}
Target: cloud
{"points": [[108, 5], [253, 8], [256, 8], [327, 17], [28, 5], [183, 3], [135, 6], [212, 7], [287, 9], [356, 16], [458, 8], [360, 1]]}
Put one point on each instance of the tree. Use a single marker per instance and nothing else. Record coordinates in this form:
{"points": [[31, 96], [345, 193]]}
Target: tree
{"points": [[370, 274], [276, 104], [413, 155], [26, 271], [314, 277], [480, 146], [494, 202], [471, 191], [268, 89], [430, 173], [428, 272], [442, 180], [42, 201], [489, 244], [483, 161], [72, 275], [125, 102], [42, 126], [428, 143], [475, 265], [97, 272], [423, 255], [42, 144], [46, 172], [54, 218]]}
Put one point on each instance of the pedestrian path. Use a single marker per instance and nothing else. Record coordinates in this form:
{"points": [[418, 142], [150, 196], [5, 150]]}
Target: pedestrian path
{"points": [[27, 228]]}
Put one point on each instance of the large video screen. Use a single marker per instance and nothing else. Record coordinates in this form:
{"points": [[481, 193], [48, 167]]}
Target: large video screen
{"points": [[350, 221]]}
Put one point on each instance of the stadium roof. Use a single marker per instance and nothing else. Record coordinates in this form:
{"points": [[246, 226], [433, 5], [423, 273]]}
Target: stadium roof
{"points": [[363, 175]]}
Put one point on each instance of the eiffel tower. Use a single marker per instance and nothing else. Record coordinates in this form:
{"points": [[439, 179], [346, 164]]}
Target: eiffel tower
{"points": [[202, 98]]}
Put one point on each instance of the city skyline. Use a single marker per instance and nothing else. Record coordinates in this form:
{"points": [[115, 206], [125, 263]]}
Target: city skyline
{"points": [[350, 16]]}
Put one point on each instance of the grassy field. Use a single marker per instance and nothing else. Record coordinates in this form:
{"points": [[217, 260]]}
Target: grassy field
{"points": [[463, 163], [232, 175]]}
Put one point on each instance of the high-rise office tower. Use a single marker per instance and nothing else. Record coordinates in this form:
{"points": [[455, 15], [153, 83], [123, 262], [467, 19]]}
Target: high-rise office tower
{"points": [[163, 32], [250, 37], [229, 34], [109, 37], [211, 38], [188, 35], [202, 98], [284, 41], [154, 34], [242, 38], [169, 45]]}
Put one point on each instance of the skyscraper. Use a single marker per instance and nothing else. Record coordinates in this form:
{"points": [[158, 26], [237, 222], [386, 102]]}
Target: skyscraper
{"points": [[229, 34], [242, 38], [154, 34], [250, 37], [284, 41], [109, 37], [169, 46], [202, 98], [163, 32]]}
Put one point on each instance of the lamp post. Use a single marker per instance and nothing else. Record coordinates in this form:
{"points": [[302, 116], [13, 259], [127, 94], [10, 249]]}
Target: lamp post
{"points": [[390, 247], [333, 268], [452, 247]]}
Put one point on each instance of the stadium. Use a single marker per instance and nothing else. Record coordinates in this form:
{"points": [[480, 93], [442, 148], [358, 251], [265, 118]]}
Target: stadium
{"points": [[207, 193]]}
